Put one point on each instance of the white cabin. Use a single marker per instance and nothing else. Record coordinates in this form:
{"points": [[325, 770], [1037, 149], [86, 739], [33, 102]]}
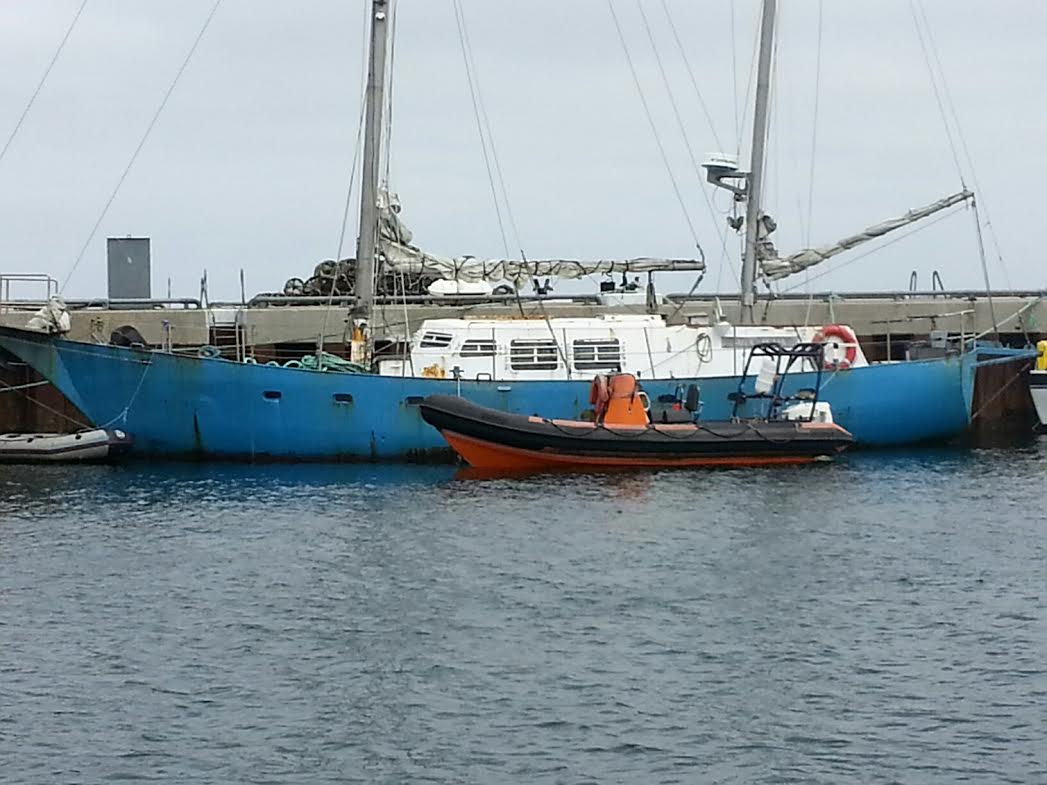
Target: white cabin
{"points": [[580, 348]]}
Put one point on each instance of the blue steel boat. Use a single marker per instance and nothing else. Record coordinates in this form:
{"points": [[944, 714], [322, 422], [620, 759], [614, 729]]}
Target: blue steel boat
{"points": [[179, 405], [184, 406]]}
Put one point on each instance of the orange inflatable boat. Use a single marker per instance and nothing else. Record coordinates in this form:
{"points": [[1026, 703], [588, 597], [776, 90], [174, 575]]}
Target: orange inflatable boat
{"points": [[621, 435]]}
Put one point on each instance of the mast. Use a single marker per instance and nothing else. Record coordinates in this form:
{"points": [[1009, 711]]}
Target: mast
{"points": [[367, 242], [754, 186]]}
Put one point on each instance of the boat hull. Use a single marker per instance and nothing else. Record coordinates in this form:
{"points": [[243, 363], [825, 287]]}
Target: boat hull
{"points": [[490, 439], [184, 406], [1038, 389]]}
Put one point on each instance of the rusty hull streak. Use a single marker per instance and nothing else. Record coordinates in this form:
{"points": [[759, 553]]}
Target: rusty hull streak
{"points": [[198, 439]]}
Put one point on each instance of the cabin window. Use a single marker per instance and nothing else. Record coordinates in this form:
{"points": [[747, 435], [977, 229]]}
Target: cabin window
{"points": [[478, 347], [435, 340], [597, 354], [748, 342], [533, 355]]}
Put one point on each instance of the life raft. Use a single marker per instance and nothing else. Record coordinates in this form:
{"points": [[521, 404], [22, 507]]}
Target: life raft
{"points": [[842, 336], [94, 445]]}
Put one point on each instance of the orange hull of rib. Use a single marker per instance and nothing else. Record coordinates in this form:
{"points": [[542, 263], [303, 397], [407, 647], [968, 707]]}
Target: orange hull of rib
{"points": [[486, 455]]}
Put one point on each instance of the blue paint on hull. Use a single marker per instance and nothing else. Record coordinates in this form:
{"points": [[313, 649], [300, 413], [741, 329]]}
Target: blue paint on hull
{"points": [[180, 406]]}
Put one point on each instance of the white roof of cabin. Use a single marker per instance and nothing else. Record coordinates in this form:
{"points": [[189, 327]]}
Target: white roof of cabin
{"points": [[638, 321]]}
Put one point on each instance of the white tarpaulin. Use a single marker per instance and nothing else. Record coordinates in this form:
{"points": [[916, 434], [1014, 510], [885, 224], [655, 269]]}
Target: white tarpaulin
{"points": [[777, 268], [52, 318], [401, 256]]}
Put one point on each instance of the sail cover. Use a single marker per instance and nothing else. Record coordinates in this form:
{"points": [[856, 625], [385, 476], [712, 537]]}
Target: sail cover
{"points": [[401, 256], [775, 268]]}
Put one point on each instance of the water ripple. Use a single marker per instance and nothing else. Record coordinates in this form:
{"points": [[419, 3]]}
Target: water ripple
{"points": [[878, 620]]}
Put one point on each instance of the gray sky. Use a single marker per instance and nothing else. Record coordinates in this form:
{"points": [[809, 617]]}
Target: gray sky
{"points": [[248, 164]]}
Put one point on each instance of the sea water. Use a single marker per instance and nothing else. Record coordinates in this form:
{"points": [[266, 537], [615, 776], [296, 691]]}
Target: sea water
{"points": [[880, 619]]}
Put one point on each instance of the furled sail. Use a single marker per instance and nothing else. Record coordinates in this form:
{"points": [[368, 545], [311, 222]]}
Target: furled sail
{"points": [[399, 255], [53, 318], [775, 267]]}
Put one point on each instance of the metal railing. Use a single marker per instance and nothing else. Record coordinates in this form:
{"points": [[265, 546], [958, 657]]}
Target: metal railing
{"points": [[6, 279], [905, 294], [106, 304]]}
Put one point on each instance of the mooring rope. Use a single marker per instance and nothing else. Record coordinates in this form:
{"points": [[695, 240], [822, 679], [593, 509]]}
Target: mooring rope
{"points": [[16, 388], [19, 389], [1000, 392]]}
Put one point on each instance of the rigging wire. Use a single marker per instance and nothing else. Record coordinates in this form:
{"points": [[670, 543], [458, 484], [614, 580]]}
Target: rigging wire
{"points": [[937, 92], [349, 189], [740, 119], [808, 224], [654, 127], [387, 113], [386, 149], [775, 121], [142, 141], [21, 390], [690, 71], [479, 126], [680, 125], [814, 127], [985, 267], [750, 81], [357, 145], [963, 141], [40, 84], [490, 133], [734, 81], [352, 180]]}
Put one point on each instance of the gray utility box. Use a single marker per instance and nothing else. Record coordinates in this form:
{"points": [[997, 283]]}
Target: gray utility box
{"points": [[129, 268]]}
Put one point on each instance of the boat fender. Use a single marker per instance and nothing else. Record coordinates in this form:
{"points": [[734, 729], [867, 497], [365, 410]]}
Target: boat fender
{"points": [[839, 334], [1041, 361]]}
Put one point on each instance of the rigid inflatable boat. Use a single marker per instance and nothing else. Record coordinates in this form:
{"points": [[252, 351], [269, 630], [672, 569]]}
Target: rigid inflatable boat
{"points": [[623, 434]]}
